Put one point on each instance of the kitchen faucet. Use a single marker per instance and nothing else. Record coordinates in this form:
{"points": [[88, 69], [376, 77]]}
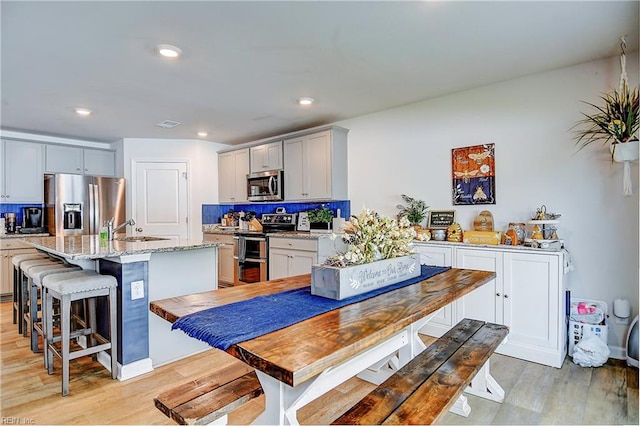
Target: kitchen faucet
{"points": [[111, 230]]}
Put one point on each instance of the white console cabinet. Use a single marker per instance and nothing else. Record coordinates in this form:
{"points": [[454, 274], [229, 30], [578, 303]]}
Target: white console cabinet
{"points": [[528, 295]]}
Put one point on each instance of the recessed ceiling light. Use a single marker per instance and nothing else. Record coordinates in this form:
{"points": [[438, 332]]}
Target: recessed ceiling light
{"points": [[305, 101], [83, 111], [202, 134], [169, 51]]}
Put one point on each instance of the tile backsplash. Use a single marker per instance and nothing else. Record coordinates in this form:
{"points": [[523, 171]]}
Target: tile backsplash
{"points": [[211, 213], [15, 208]]}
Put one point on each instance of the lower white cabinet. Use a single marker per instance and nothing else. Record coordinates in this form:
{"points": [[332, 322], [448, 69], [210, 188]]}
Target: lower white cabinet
{"points": [[225, 258], [10, 247], [290, 256], [527, 295]]}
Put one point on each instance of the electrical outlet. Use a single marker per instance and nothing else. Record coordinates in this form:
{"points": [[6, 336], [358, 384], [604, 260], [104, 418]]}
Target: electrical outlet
{"points": [[137, 290]]}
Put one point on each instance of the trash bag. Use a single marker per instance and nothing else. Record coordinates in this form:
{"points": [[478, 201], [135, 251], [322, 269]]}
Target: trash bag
{"points": [[591, 352]]}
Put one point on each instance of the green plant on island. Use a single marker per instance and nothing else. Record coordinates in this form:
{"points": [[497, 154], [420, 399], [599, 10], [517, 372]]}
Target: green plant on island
{"points": [[320, 215], [415, 210]]}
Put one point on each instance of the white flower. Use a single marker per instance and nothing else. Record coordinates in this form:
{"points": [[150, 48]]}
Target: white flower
{"points": [[372, 237]]}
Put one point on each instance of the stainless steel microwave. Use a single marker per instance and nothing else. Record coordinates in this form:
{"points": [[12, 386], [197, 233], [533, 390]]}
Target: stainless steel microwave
{"points": [[265, 186]]}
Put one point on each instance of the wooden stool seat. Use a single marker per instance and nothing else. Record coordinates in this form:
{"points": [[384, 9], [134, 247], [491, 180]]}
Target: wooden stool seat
{"points": [[68, 287]]}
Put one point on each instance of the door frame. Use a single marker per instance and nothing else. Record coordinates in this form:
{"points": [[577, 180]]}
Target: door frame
{"points": [[133, 185]]}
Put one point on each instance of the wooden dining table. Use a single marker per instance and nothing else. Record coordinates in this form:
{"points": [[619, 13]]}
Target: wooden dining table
{"points": [[371, 338]]}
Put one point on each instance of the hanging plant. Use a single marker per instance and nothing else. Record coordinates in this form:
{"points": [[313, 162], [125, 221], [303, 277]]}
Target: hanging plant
{"points": [[616, 120]]}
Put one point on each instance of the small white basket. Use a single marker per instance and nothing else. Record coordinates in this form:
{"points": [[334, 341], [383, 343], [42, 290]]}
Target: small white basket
{"points": [[578, 330]]}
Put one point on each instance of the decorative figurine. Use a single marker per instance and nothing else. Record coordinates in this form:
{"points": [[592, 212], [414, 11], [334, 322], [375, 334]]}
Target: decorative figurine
{"points": [[454, 233], [537, 233]]}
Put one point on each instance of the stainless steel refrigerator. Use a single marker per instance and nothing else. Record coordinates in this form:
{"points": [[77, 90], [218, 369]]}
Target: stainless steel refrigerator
{"points": [[78, 204]]}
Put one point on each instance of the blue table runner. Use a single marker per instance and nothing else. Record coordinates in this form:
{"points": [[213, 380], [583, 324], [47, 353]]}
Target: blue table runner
{"points": [[223, 326]]}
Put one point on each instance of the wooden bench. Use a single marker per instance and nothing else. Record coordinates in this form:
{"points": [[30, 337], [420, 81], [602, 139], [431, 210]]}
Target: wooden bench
{"points": [[433, 381], [212, 397]]}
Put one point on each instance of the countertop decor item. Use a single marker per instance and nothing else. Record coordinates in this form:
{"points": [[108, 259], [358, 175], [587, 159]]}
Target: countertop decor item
{"points": [[615, 122], [415, 210], [320, 218], [484, 221], [378, 254]]}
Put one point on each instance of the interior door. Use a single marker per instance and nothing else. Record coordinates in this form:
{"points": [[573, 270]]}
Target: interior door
{"points": [[160, 198]]}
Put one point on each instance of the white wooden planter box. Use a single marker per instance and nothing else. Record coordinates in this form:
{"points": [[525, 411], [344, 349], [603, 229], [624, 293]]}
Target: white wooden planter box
{"points": [[340, 283]]}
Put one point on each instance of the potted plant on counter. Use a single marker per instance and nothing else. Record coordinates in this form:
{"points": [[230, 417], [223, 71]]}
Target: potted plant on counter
{"points": [[415, 211], [320, 218]]}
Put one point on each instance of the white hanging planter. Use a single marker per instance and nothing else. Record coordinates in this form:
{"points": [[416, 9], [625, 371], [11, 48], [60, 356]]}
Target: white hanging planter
{"points": [[627, 151], [624, 153]]}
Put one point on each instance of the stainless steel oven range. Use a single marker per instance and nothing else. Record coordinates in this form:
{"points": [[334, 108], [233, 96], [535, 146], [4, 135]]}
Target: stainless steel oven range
{"points": [[250, 248]]}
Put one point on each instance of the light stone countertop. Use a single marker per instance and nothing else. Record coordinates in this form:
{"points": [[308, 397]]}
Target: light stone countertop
{"points": [[90, 247], [18, 235]]}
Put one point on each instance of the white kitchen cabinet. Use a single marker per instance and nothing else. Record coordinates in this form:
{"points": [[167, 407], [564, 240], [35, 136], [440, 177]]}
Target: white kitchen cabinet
{"points": [[266, 157], [77, 160], [22, 170], [315, 165], [10, 247], [233, 167], [289, 256], [225, 258], [445, 317], [527, 295]]}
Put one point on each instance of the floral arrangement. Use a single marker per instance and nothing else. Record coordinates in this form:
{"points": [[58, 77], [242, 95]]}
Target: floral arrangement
{"points": [[371, 237]]}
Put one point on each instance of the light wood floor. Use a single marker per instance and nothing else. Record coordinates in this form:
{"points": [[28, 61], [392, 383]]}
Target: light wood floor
{"points": [[535, 394]]}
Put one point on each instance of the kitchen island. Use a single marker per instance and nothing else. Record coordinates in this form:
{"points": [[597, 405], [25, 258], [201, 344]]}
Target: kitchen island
{"points": [[145, 270]]}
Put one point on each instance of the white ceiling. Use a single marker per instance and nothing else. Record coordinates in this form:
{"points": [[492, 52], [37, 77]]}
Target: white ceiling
{"points": [[245, 63]]}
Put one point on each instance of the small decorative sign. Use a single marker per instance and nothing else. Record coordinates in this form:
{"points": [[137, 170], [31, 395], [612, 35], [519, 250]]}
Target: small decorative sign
{"points": [[441, 219], [473, 170]]}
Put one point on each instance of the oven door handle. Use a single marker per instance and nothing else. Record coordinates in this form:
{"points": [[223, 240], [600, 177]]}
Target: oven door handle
{"points": [[258, 239], [247, 259]]}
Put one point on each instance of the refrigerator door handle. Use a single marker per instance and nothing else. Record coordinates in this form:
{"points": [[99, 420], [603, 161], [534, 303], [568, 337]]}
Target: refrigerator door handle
{"points": [[94, 214]]}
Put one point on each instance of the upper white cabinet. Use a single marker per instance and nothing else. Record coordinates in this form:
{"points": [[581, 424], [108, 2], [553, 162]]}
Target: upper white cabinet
{"points": [[77, 160], [233, 167], [266, 157], [315, 166], [527, 295], [21, 179]]}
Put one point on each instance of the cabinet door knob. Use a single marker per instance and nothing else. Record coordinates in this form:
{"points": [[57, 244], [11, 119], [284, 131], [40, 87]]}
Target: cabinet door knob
{"points": [[498, 294], [506, 296], [78, 169]]}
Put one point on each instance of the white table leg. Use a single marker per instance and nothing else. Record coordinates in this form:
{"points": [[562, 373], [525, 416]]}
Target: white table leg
{"points": [[283, 401]]}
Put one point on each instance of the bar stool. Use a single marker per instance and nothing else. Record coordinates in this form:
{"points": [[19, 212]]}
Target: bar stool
{"points": [[17, 303], [24, 288], [79, 285], [36, 274]]}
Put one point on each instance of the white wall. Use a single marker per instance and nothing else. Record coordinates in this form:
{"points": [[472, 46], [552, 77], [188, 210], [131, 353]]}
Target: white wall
{"points": [[202, 159], [407, 150]]}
